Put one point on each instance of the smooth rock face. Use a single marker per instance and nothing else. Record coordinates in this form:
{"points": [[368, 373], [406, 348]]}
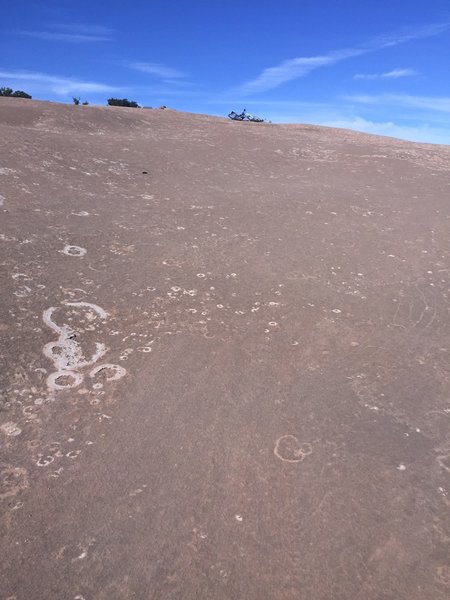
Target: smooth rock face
{"points": [[227, 377]]}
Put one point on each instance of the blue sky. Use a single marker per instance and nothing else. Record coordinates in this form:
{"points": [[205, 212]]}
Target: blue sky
{"points": [[381, 66]]}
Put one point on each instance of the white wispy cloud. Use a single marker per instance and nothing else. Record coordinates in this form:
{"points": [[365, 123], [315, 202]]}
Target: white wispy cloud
{"points": [[156, 69], [406, 35], [414, 133], [294, 68], [61, 86], [433, 103], [73, 38], [49, 86], [72, 33], [394, 74], [86, 28]]}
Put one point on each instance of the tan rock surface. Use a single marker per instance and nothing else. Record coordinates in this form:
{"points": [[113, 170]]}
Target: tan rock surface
{"points": [[227, 377]]}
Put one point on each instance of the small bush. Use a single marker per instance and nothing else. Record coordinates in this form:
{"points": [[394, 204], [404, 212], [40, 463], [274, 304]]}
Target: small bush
{"points": [[20, 94], [77, 102], [122, 102], [8, 93]]}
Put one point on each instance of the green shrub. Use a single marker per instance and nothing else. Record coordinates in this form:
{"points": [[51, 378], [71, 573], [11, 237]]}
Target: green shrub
{"points": [[122, 102], [8, 92], [77, 102], [20, 94]]}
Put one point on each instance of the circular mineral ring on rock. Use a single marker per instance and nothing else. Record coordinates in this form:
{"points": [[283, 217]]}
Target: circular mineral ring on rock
{"points": [[64, 380], [74, 250], [289, 449], [112, 372]]}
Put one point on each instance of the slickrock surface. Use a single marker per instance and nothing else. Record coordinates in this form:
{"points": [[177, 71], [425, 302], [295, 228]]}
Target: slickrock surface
{"points": [[227, 377]]}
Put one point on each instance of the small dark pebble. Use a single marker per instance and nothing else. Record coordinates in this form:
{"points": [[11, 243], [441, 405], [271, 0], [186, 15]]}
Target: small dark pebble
{"points": [[144, 172]]}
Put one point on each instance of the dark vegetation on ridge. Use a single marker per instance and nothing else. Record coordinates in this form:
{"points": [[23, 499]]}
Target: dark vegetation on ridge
{"points": [[9, 93], [122, 102]]}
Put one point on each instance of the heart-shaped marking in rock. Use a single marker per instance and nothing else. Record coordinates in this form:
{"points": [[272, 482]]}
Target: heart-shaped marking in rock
{"points": [[289, 449]]}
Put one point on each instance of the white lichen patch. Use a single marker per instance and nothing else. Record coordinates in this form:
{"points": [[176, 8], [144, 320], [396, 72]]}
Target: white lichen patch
{"points": [[10, 429], [66, 353]]}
